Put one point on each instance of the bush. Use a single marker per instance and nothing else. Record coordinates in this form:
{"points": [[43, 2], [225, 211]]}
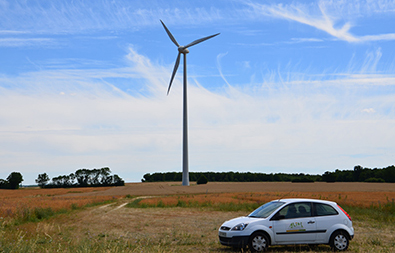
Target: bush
{"points": [[202, 180], [375, 180], [302, 180]]}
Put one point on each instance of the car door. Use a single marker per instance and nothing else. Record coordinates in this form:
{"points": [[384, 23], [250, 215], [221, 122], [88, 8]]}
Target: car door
{"points": [[295, 224]]}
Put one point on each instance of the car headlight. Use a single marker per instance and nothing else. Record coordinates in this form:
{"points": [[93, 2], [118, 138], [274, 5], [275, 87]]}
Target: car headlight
{"points": [[240, 227]]}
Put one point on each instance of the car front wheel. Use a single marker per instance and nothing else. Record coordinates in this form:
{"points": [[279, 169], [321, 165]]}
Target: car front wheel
{"points": [[258, 242], [339, 241]]}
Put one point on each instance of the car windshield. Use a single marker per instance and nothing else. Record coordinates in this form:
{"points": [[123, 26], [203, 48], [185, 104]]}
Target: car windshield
{"points": [[265, 210]]}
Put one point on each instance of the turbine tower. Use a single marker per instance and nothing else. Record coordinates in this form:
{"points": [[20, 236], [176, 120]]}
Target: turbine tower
{"points": [[183, 50]]}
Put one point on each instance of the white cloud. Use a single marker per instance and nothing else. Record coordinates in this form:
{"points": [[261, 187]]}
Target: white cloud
{"points": [[61, 120], [78, 16], [369, 110], [25, 42], [335, 19], [300, 40], [389, 36]]}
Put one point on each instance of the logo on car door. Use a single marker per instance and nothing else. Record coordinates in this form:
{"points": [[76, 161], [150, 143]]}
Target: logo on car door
{"points": [[295, 227]]}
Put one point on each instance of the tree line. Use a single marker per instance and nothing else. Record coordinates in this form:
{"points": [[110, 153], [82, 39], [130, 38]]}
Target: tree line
{"points": [[230, 177], [358, 174], [81, 178]]}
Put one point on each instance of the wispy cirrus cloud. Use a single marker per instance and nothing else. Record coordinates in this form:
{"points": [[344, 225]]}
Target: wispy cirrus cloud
{"points": [[325, 16], [79, 16], [26, 42]]}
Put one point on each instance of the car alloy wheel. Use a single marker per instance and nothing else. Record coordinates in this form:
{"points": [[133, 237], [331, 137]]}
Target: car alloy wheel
{"points": [[258, 242], [339, 241]]}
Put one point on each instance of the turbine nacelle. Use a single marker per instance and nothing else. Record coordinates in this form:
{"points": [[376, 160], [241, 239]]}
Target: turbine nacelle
{"points": [[183, 50]]}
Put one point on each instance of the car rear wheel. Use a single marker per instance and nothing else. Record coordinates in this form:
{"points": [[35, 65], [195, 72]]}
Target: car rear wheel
{"points": [[339, 241], [258, 242]]}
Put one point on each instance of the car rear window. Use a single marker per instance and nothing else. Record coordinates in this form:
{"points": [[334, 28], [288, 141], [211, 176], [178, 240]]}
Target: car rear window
{"points": [[324, 209], [296, 210]]}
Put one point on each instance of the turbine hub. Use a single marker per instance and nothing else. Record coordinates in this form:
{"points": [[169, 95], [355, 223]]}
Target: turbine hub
{"points": [[183, 50]]}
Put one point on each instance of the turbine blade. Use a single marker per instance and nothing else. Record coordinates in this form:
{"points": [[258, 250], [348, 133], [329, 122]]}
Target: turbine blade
{"points": [[174, 72], [200, 40], [170, 35]]}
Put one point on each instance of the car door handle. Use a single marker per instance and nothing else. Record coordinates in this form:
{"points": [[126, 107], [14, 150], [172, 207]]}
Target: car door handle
{"points": [[311, 222]]}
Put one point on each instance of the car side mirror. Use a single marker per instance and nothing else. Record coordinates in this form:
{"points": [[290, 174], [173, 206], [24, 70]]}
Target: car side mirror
{"points": [[278, 217]]}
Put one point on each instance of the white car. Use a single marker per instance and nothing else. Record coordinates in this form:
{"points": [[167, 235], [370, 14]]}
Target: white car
{"points": [[290, 221]]}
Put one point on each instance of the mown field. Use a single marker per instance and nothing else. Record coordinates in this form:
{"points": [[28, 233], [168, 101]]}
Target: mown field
{"points": [[167, 217]]}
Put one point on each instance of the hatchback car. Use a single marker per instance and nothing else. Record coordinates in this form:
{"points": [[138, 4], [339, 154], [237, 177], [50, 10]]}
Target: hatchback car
{"points": [[290, 221]]}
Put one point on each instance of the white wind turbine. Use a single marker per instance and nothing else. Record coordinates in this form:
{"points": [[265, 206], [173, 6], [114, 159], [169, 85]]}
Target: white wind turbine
{"points": [[184, 50]]}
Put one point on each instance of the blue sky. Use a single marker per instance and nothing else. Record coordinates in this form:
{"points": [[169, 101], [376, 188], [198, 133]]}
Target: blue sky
{"points": [[295, 87]]}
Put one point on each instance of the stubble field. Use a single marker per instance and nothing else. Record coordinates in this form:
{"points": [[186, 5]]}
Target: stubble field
{"points": [[167, 217]]}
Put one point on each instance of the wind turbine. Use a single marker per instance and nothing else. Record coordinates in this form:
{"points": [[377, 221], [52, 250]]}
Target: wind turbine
{"points": [[183, 50]]}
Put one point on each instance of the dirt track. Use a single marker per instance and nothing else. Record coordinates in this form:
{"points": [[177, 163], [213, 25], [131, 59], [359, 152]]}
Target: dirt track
{"points": [[168, 188]]}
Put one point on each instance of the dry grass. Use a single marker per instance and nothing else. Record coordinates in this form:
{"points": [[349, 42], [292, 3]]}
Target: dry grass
{"points": [[12, 202], [112, 228]]}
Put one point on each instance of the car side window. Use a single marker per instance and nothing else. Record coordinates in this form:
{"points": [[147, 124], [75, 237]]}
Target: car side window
{"points": [[296, 210], [324, 209]]}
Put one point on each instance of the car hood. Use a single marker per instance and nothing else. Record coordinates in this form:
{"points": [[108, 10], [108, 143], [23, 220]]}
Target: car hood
{"points": [[244, 219]]}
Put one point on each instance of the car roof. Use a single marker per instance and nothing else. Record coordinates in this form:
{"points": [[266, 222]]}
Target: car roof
{"points": [[293, 200]]}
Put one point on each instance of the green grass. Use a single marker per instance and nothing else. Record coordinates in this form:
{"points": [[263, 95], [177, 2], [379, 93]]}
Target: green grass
{"points": [[381, 213], [34, 214], [385, 214], [224, 207], [37, 214]]}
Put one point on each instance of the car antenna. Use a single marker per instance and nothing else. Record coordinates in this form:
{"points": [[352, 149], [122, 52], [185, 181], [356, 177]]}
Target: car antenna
{"points": [[285, 195]]}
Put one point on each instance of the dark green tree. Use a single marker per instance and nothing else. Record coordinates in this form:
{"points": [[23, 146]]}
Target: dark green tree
{"points": [[118, 181], [389, 174], [3, 184], [202, 179], [329, 177], [357, 172], [42, 180], [104, 173], [82, 176], [14, 179]]}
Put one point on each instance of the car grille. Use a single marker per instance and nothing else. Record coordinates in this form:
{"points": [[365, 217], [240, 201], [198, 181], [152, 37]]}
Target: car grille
{"points": [[225, 228]]}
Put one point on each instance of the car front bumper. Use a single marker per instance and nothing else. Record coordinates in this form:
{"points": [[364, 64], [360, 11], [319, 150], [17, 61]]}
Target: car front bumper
{"points": [[235, 241]]}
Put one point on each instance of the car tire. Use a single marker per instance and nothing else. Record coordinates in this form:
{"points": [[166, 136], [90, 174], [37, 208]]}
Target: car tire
{"points": [[339, 241], [258, 242]]}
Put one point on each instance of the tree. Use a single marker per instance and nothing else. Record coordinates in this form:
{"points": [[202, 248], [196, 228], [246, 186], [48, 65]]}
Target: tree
{"points": [[14, 179], [329, 177], [42, 180], [3, 184], [104, 173], [118, 181], [202, 179], [82, 176], [357, 172]]}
